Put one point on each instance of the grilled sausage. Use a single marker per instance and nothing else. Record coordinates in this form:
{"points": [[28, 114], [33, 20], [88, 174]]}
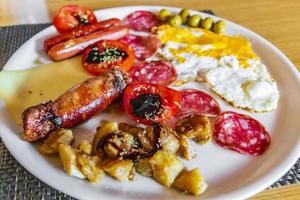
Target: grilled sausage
{"points": [[80, 31], [74, 106], [74, 46]]}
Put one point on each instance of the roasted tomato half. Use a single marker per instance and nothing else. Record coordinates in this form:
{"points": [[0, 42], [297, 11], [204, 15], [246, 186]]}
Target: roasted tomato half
{"points": [[72, 16], [107, 54], [149, 103]]}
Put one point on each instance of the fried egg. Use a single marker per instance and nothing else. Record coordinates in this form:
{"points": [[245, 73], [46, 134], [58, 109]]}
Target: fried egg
{"points": [[227, 63]]}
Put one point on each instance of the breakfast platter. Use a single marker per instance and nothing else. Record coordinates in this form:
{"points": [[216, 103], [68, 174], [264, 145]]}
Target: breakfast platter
{"points": [[152, 102]]}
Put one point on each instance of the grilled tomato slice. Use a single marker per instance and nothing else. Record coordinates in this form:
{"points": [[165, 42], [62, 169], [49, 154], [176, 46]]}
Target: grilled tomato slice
{"points": [[73, 16], [107, 54], [150, 103]]}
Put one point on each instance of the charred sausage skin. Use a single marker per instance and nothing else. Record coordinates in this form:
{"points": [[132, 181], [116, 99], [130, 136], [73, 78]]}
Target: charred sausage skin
{"points": [[74, 106]]}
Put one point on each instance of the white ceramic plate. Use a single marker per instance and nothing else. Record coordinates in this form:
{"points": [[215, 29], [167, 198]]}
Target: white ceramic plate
{"points": [[229, 175]]}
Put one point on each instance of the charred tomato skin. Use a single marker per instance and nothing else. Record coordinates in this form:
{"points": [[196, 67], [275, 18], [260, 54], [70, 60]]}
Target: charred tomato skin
{"points": [[73, 16], [105, 55], [157, 103]]}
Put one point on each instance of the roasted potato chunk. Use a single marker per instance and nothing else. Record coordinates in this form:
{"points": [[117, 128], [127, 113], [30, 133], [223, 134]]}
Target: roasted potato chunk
{"points": [[133, 130], [148, 139], [102, 131], [61, 136], [68, 158], [196, 127], [191, 182], [90, 166], [85, 147], [122, 170], [168, 140], [119, 144], [186, 149], [143, 167], [165, 167]]}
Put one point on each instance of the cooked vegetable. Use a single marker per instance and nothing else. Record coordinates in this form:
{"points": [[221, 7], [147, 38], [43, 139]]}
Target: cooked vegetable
{"points": [[196, 127], [149, 103], [133, 130], [164, 14], [143, 167], [207, 23], [90, 166], [175, 20], [122, 170], [73, 16], [107, 54], [61, 136], [219, 27], [184, 14], [103, 130], [85, 147], [69, 160], [186, 149], [168, 139], [191, 182], [165, 167], [194, 21]]}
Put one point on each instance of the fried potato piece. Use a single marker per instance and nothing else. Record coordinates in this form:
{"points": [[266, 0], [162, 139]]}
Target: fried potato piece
{"points": [[103, 130], [191, 182], [133, 130], [122, 170], [186, 149], [165, 167], [90, 166], [68, 157], [61, 136], [168, 140], [85, 147], [196, 127], [143, 167]]}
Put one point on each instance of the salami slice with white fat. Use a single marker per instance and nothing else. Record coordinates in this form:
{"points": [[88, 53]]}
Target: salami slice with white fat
{"points": [[154, 72], [241, 133], [141, 20], [195, 102], [143, 46]]}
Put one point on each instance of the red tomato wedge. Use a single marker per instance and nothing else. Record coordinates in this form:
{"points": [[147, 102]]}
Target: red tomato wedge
{"points": [[107, 54], [149, 103], [154, 72], [73, 16], [143, 46], [241, 133], [141, 20]]}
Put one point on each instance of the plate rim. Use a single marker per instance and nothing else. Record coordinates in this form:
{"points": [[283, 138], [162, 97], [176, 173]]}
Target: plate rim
{"points": [[288, 162]]}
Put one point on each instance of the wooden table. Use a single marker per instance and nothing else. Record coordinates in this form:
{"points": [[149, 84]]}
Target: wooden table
{"points": [[276, 20]]}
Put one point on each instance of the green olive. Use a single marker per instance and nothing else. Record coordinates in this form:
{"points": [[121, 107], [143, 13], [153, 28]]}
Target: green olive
{"points": [[164, 14], [194, 20], [219, 27], [184, 14], [175, 20], [207, 23]]}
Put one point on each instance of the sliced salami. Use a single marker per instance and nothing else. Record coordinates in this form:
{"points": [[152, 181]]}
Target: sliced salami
{"points": [[241, 133], [141, 20], [143, 46], [154, 72], [197, 102]]}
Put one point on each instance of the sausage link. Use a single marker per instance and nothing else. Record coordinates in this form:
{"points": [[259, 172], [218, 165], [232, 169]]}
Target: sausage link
{"points": [[74, 106], [80, 31], [74, 46]]}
